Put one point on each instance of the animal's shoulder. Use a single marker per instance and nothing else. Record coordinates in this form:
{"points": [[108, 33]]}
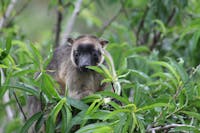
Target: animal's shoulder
{"points": [[60, 54], [63, 50]]}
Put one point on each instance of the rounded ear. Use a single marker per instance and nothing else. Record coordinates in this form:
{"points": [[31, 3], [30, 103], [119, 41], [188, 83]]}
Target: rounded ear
{"points": [[104, 43], [70, 40]]}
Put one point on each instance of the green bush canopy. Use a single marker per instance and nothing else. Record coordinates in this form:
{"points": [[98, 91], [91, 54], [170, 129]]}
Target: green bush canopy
{"points": [[155, 47]]}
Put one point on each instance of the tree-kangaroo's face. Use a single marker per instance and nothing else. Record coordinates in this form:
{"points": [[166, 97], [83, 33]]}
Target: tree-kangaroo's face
{"points": [[87, 51]]}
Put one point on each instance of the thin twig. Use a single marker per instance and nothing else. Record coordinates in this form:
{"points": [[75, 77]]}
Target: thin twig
{"points": [[86, 5], [19, 105], [113, 88], [171, 16], [7, 13], [24, 6], [124, 9], [141, 24], [2, 5], [108, 23], [71, 21], [58, 23], [166, 127], [157, 36], [180, 87], [42, 105], [183, 85]]}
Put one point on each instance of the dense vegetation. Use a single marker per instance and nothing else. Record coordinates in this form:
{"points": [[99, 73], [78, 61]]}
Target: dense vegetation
{"points": [[155, 46]]}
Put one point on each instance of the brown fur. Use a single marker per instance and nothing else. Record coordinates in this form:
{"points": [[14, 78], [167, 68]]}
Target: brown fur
{"points": [[64, 71], [79, 84]]}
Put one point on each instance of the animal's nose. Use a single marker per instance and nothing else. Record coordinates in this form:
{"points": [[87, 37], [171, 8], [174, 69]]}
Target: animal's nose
{"points": [[84, 65], [84, 68]]}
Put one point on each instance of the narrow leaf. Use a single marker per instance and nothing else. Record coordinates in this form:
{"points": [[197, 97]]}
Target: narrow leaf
{"points": [[30, 122]]}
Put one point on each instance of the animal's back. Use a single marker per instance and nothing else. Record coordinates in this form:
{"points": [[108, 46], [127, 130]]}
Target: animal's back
{"points": [[58, 64]]}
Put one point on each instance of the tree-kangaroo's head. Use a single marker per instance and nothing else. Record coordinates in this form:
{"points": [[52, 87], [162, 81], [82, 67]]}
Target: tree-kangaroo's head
{"points": [[87, 50]]}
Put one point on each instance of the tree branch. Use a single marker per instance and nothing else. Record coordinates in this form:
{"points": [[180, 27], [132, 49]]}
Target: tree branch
{"points": [[171, 16], [86, 5], [107, 23], [141, 24], [113, 88], [19, 105], [20, 10], [184, 84], [166, 127], [7, 13], [58, 23], [157, 36], [71, 21], [124, 9]]}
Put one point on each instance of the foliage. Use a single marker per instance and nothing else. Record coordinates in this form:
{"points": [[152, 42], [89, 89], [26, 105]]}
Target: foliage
{"points": [[154, 45]]}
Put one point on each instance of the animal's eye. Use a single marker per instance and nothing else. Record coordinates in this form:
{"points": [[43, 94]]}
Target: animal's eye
{"points": [[95, 54], [76, 53]]}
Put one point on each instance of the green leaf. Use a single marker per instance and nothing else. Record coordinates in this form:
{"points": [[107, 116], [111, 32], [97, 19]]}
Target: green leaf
{"points": [[135, 123], [162, 26], [121, 124], [57, 108], [12, 61], [5, 53], [115, 113], [168, 66], [165, 76], [141, 126], [22, 72], [77, 103], [39, 123], [185, 128], [26, 88], [78, 119], [114, 95], [94, 128], [3, 66], [92, 106], [4, 86], [114, 105], [124, 75], [8, 45], [180, 70], [110, 64], [30, 122], [48, 59], [107, 73], [48, 86], [192, 114], [36, 53], [141, 74], [97, 69], [13, 126], [152, 106], [50, 126], [106, 81], [98, 115], [103, 129], [138, 94], [66, 119]]}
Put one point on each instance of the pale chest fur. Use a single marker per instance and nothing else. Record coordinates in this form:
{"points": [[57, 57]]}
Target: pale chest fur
{"points": [[80, 84]]}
